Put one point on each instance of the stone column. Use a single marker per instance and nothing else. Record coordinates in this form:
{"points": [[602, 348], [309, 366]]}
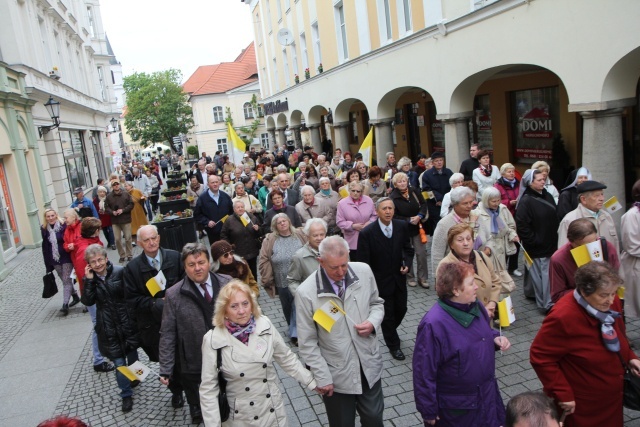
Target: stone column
{"points": [[272, 140], [341, 133], [602, 151], [456, 138], [33, 145], [282, 138], [383, 139], [315, 138], [296, 135]]}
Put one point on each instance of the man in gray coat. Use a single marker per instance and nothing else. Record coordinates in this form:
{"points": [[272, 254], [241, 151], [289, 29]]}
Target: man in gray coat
{"points": [[345, 362]]}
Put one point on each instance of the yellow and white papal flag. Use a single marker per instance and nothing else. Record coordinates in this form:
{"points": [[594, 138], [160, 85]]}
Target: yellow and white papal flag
{"points": [[366, 149], [328, 314], [136, 371], [235, 146], [612, 205], [157, 283], [505, 312]]}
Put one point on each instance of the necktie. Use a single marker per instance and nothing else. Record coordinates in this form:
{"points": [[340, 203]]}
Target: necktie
{"points": [[207, 296], [387, 231], [340, 289], [155, 264]]}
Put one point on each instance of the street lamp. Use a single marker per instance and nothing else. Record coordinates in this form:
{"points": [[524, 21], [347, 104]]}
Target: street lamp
{"points": [[114, 124], [53, 108]]}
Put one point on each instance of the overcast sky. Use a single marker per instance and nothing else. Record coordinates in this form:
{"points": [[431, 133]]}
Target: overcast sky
{"points": [[149, 35]]}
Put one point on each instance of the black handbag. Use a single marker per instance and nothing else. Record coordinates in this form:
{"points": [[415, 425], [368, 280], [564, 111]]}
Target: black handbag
{"points": [[631, 391], [223, 403], [50, 287]]}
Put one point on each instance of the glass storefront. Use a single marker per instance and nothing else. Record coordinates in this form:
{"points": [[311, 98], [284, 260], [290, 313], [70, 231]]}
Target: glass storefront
{"points": [[482, 133], [536, 121], [75, 159], [436, 127]]}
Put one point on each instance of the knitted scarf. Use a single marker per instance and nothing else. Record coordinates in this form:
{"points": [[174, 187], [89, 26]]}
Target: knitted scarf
{"points": [[101, 203], [54, 240], [511, 182], [237, 269], [405, 193], [496, 222], [486, 172], [241, 332], [326, 192], [606, 319]]}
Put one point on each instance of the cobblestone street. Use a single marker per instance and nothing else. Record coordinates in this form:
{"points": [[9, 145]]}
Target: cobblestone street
{"points": [[46, 363]]}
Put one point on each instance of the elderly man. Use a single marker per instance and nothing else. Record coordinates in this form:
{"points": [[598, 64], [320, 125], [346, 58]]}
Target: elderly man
{"points": [[531, 409], [436, 181], [346, 362], [212, 208], [391, 165], [305, 261], [83, 205], [142, 183], [312, 207], [591, 200], [385, 245], [201, 173], [290, 195], [186, 318], [119, 205], [562, 266], [146, 306]]}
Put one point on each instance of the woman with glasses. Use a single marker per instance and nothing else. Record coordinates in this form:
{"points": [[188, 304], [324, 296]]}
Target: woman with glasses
{"points": [[363, 169], [226, 262], [354, 213]]}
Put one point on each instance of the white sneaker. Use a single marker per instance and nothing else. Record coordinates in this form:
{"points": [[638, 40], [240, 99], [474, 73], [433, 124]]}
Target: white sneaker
{"points": [[517, 273]]}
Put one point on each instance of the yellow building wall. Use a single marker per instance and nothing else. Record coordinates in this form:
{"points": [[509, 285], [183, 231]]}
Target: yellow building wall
{"points": [[417, 15]]}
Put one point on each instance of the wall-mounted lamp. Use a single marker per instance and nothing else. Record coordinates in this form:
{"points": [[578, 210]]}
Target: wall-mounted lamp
{"points": [[114, 124], [53, 107], [423, 94]]}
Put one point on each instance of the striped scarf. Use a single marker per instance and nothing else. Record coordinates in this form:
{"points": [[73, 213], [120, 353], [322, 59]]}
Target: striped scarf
{"points": [[607, 319]]}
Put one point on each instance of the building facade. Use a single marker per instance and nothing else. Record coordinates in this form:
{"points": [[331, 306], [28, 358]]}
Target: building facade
{"points": [[217, 90], [519, 77], [50, 50]]}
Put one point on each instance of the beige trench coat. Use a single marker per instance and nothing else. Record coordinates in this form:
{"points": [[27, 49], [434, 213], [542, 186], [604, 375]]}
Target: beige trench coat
{"points": [[630, 260]]}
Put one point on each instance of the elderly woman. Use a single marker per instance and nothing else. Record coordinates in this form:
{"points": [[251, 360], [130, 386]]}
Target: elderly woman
{"points": [[410, 207], [253, 389], [138, 218], [117, 332], [579, 350], [537, 225], [312, 207], [251, 204], [352, 175], [456, 180], [276, 254], [454, 378], [374, 186], [347, 164], [630, 258], [231, 265], [56, 257], [305, 261], [462, 200], [496, 232], [312, 177], [276, 196], [509, 187], [242, 230], [227, 185], [568, 199], [326, 172], [544, 167], [363, 169], [330, 198], [486, 174], [354, 213], [405, 166]]}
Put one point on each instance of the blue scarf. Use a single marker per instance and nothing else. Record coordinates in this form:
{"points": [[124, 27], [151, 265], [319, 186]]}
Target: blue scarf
{"points": [[326, 192], [511, 182], [607, 319], [496, 222]]}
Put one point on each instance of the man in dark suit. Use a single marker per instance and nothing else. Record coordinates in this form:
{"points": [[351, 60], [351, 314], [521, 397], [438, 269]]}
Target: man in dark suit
{"points": [[200, 173], [291, 196], [436, 181], [386, 247], [212, 206], [147, 308], [468, 166]]}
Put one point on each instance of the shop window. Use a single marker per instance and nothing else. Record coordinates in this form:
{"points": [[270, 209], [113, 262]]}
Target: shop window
{"points": [[436, 128], [481, 125], [535, 122], [75, 159]]}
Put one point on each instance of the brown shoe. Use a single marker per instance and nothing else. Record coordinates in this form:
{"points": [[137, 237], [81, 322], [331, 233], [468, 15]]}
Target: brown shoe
{"points": [[424, 284], [412, 283]]}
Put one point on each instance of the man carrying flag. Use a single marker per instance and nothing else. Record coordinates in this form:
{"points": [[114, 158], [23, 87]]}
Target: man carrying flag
{"points": [[345, 362]]}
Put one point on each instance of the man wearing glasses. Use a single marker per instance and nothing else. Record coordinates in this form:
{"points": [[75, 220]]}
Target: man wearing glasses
{"points": [[147, 307]]}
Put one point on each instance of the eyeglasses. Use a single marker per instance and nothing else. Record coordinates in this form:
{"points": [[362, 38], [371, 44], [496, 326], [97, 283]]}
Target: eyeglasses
{"points": [[356, 191], [97, 261], [228, 254]]}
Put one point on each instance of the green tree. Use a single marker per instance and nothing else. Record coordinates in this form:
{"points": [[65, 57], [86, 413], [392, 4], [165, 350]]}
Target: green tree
{"points": [[247, 133], [157, 107]]}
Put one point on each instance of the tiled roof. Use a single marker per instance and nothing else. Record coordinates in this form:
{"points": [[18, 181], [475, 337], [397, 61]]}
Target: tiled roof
{"points": [[220, 78]]}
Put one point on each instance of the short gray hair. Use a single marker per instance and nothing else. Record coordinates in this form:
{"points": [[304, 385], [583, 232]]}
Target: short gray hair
{"points": [[238, 202], [490, 193], [314, 221], [307, 188], [389, 153], [460, 193], [237, 184], [323, 179], [455, 178], [382, 200], [505, 167], [403, 161], [144, 228], [302, 164], [193, 249], [93, 250], [334, 245], [398, 176], [354, 183], [274, 220]]}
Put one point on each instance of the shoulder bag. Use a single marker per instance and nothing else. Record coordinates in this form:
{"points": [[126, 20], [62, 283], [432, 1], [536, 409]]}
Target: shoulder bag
{"points": [[223, 403], [50, 287], [507, 284], [631, 391]]}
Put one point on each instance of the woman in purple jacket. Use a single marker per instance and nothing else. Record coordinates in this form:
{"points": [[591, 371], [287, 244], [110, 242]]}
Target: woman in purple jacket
{"points": [[453, 365]]}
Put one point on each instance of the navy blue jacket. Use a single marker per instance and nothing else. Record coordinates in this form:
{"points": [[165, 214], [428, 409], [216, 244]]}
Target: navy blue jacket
{"points": [[208, 210]]}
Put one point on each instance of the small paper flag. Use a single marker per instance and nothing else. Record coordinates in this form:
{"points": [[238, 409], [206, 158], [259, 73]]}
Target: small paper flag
{"points": [[344, 192], [327, 315], [587, 253], [387, 176], [528, 261], [620, 292], [137, 371], [245, 219], [612, 205], [157, 283], [223, 219], [506, 313], [428, 195], [339, 174]]}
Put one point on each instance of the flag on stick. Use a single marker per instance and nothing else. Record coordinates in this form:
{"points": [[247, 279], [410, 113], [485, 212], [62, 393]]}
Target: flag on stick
{"points": [[344, 192], [236, 146], [137, 371], [328, 314], [366, 149], [506, 313], [157, 283], [612, 205], [528, 261], [587, 253]]}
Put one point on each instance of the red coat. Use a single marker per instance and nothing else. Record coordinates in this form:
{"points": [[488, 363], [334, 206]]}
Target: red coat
{"points": [[573, 365], [105, 218], [71, 235], [77, 257]]}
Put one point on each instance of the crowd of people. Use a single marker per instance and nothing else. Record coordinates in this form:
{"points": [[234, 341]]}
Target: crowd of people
{"points": [[327, 233]]}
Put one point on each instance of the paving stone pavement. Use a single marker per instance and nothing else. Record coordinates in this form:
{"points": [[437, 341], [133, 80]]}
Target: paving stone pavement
{"points": [[93, 397]]}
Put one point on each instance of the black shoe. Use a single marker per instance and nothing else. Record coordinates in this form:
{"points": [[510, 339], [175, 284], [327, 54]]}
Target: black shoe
{"points": [[121, 260], [76, 300], [104, 367], [129, 258], [196, 414], [127, 404], [112, 247], [135, 383], [294, 341], [65, 309], [397, 354], [177, 401], [85, 310]]}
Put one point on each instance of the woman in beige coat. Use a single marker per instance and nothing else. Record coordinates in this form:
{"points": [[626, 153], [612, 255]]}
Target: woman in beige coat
{"points": [[249, 344], [460, 240], [630, 258]]}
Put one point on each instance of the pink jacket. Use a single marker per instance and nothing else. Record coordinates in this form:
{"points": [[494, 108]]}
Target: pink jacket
{"points": [[350, 213]]}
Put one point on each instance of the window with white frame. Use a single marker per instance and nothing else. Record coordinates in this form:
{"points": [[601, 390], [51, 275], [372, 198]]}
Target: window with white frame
{"points": [[303, 49], [268, 8], [341, 29], [404, 16], [218, 114], [92, 24], [248, 110], [276, 76], [103, 88], [384, 21], [315, 39], [221, 143], [294, 59], [279, 7], [264, 140], [285, 65]]}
